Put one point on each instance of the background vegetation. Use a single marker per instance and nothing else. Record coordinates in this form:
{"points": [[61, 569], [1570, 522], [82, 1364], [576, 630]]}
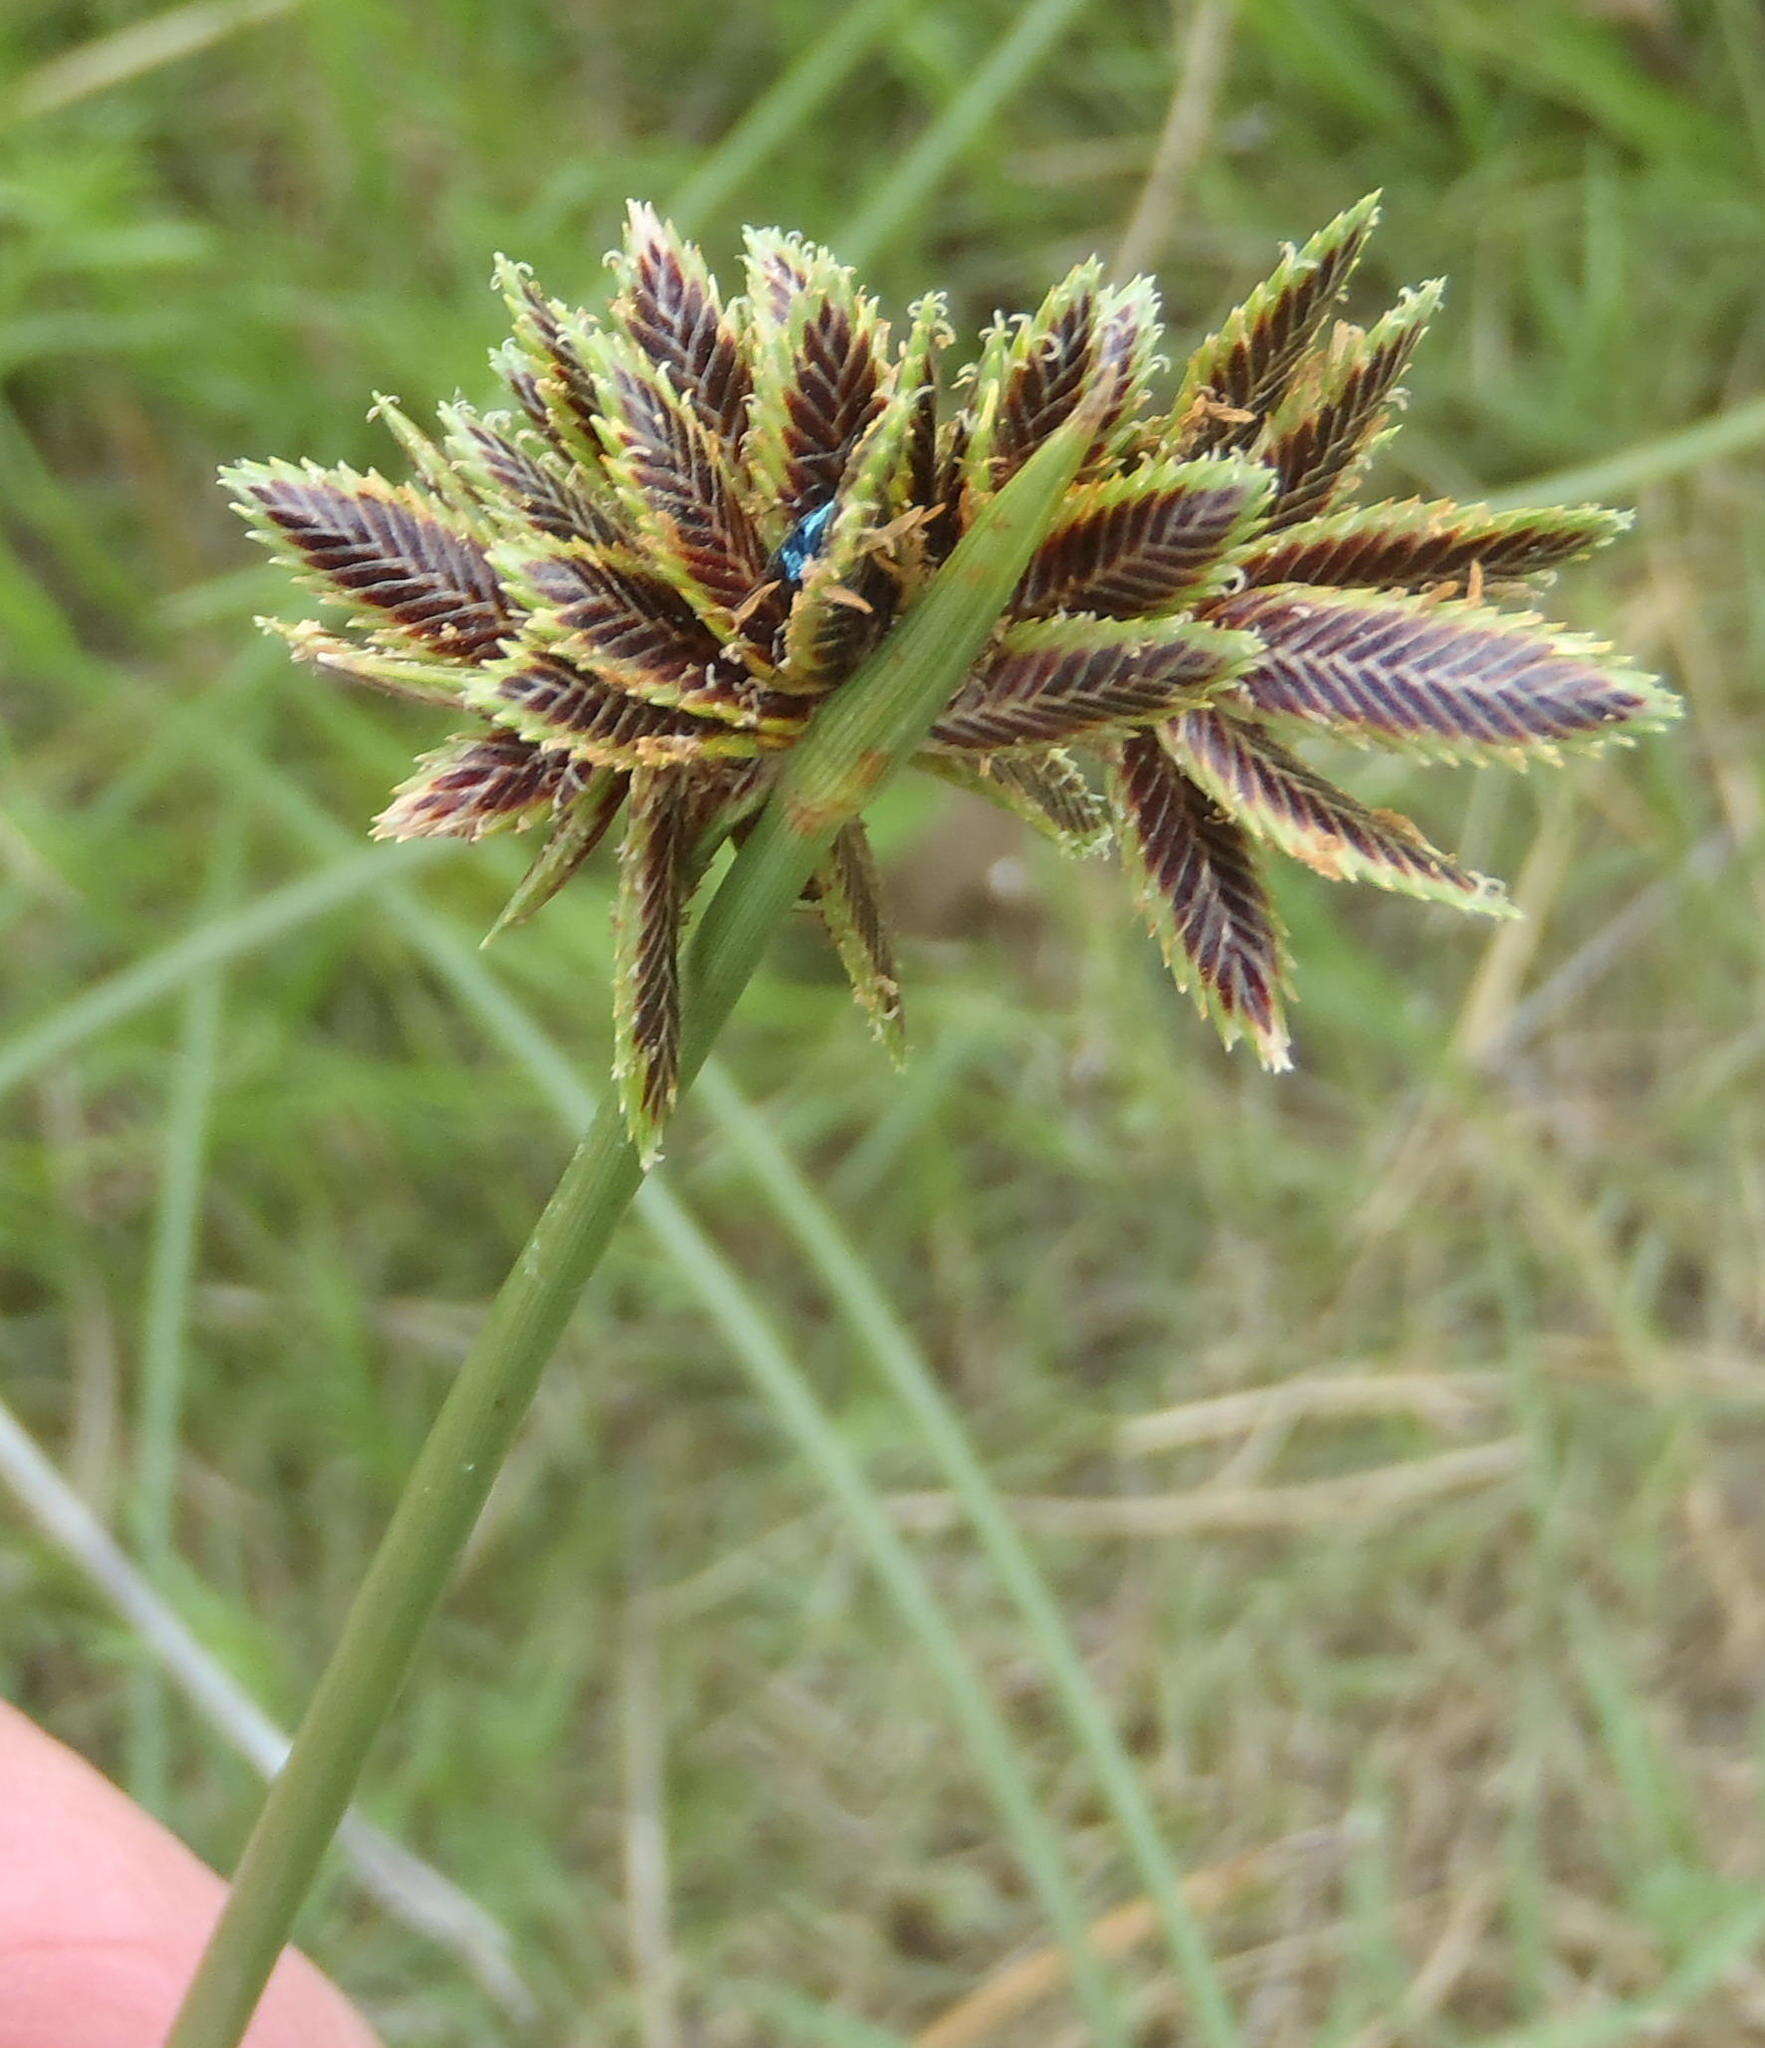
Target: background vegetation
{"points": [[1389, 1434]]}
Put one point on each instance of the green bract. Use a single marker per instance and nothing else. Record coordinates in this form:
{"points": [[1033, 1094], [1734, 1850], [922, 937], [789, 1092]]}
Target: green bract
{"points": [[705, 515]]}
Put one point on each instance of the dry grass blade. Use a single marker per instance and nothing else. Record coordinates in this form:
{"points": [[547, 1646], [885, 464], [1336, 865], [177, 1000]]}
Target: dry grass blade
{"points": [[648, 1880], [1201, 69], [1014, 1989], [1356, 1499], [133, 51], [1448, 1400]]}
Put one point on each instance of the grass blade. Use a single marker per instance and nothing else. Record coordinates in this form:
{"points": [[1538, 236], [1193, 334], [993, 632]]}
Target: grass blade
{"points": [[1618, 476], [876, 1327], [166, 1315], [132, 52], [217, 939], [891, 208], [802, 90]]}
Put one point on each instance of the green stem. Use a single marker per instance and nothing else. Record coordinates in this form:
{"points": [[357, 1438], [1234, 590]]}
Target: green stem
{"points": [[860, 736]]}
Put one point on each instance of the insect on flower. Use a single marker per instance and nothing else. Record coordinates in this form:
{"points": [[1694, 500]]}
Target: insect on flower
{"points": [[802, 544], [705, 515]]}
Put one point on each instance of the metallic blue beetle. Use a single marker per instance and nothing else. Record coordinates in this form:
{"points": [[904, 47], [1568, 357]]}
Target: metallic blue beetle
{"points": [[802, 544]]}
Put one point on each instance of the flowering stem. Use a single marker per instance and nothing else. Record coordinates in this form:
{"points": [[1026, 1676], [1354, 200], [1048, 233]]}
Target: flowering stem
{"points": [[859, 737]]}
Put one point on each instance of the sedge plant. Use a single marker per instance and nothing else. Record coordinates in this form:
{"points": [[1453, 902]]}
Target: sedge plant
{"points": [[728, 565]]}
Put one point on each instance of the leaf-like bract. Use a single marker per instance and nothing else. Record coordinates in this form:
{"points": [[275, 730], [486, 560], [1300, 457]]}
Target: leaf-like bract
{"points": [[1147, 541], [1451, 679], [668, 305], [472, 785], [647, 915], [1418, 544], [1202, 895], [1279, 798], [407, 567], [1053, 680], [847, 895], [1245, 368], [1333, 416]]}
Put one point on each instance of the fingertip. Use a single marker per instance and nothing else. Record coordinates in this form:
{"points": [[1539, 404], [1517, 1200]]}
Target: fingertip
{"points": [[103, 1915]]}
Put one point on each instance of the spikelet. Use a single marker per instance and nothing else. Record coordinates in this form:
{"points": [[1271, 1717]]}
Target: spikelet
{"points": [[704, 513]]}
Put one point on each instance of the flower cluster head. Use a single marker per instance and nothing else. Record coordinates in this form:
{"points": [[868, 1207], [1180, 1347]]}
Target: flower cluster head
{"points": [[637, 589]]}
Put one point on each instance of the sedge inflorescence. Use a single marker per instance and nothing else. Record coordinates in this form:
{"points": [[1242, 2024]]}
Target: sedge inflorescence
{"points": [[639, 586]]}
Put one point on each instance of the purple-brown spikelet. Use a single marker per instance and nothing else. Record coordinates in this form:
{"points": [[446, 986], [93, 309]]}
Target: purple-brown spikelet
{"points": [[707, 512]]}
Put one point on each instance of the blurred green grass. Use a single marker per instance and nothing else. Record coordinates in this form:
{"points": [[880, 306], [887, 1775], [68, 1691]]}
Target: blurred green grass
{"points": [[1514, 1190]]}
